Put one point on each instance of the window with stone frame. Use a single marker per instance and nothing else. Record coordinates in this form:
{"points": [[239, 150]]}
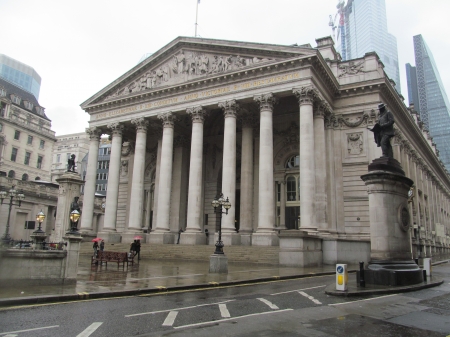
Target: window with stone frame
{"points": [[27, 158], [39, 162], [15, 99], [41, 144], [16, 134], [11, 174], [30, 140], [25, 177], [14, 154]]}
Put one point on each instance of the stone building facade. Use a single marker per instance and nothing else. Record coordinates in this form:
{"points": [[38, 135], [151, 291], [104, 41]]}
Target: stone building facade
{"points": [[282, 131]]}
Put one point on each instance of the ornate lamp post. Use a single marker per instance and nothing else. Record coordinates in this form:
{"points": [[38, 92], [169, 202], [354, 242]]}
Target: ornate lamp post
{"points": [[74, 216], [222, 203], [40, 217], [11, 195]]}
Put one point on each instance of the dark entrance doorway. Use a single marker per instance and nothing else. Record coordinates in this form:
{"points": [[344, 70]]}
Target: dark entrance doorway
{"points": [[292, 217]]}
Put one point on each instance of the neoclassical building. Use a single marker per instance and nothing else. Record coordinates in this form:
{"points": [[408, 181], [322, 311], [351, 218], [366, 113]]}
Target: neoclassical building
{"points": [[282, 131]]}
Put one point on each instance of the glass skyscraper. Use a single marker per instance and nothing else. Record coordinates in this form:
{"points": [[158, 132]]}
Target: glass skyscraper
{"points": [[366, 31], [430, 100], [20, 74]]}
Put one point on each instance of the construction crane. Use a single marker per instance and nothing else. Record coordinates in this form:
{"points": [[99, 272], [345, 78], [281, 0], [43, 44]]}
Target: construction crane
{"points": [[342, 11]]}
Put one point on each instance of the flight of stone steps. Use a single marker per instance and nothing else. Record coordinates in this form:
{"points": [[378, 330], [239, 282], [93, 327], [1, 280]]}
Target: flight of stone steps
{"points": [[249, 254]]}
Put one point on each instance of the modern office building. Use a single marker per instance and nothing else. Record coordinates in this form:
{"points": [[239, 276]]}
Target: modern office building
{"points": [[20, 74], [366, 31], [427, 92], [281, 131]]}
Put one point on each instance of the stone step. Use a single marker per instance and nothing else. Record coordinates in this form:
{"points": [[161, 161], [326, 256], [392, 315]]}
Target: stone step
{"points": [[251, 254]]}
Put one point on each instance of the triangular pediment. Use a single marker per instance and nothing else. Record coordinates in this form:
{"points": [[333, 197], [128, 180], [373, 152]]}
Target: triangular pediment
{"points": [[190, 59]]}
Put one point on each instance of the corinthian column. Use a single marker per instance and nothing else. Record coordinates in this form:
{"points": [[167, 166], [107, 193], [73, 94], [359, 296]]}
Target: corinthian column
{"points": [[165, 181], [109, 225], [320, 164], [230, 109], [137, 183], [246, 218], [91, 174], [306, 96], [195, 171]]}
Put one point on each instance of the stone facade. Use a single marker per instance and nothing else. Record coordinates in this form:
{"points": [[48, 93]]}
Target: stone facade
{"points": [[282, 131]]}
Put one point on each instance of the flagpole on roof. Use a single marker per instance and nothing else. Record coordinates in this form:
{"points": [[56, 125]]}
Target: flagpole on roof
{"points": [[196, 17]]}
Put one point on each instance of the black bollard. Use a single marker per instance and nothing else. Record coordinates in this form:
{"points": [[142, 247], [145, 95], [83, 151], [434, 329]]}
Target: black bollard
{"points": [[362, 281], [424, 275]]}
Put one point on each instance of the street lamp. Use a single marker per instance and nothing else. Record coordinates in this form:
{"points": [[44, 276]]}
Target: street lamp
{"points": [[11, 195], [74, 216], [222, 203], [40, 217]]}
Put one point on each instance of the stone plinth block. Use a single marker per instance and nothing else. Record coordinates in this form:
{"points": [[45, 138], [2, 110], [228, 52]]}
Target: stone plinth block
{"points": [[73, 254], [193, 238], [265, 239], [229, 239], [218, 263], [161, 237], [299, 250]]}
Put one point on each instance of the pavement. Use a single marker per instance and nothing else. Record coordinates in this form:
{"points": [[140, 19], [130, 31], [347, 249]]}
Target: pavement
{"points": [[155, 276]]}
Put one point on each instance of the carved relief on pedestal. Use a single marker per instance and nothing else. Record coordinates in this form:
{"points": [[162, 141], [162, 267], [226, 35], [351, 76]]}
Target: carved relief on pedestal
{"points": [[185, 65], [352, 68], [355, 143], [124, 168], [127, 148]]}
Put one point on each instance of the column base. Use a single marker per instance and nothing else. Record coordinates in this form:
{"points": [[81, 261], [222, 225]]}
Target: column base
{"points": [[166, 238], [218, 263], [246, 239], [129, 237], [309, 230], [88, 235], [265, 239], [193, 238], [229, 239], [109, 237]]}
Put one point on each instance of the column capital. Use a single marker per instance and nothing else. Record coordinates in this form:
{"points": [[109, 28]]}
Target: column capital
{"points": [[322, 109], [266, 101], [168, 119], [141, 124], [116, 128], [197, 114], [94, 133], [306, 95], [230, 108]]}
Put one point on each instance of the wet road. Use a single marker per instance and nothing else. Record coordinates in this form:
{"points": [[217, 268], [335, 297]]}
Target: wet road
{"points": [[283, 308]]}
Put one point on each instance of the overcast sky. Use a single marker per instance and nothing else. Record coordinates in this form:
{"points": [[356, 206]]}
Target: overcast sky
{"points": [[79, 47]]}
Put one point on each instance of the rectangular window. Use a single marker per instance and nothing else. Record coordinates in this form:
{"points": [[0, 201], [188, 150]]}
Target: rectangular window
{"points": [[99, 165], [108, 150], [27, 158], [17, 135], [98, 176], [42, 144], [39, 162], [30, 140], [13, 154], [58, 158]]}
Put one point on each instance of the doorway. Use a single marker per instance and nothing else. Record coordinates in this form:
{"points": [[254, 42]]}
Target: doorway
{"points": [[292, 217]]}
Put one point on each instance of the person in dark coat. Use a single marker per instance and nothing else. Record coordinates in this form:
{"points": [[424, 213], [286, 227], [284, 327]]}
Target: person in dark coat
{"points": [[137, 248], [133, 248], [95, 246], [102, 246]]}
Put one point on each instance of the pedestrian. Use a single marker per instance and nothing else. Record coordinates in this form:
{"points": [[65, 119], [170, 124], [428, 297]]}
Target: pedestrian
{"points": [[137, 249], [102, 246], [95, 246], [133, 248]]}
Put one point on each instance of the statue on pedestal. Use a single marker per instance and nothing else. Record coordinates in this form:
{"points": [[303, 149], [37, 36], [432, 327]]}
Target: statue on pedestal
{"points": [[71, 164], [384, 131]]}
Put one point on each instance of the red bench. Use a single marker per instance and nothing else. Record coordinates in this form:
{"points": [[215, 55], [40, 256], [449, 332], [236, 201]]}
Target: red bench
{"points": [[119, 257]]}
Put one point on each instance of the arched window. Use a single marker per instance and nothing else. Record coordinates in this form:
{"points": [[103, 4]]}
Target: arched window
{"points": [[11, 174], [293, 162], [37, 178], [25, 177]]}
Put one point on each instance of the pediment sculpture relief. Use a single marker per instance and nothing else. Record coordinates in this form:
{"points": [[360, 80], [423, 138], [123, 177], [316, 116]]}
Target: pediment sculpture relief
{"points": [[184, 66]]}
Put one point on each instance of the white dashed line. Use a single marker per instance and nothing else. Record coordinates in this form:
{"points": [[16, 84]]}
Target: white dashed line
{"points": [[90, 329], [367, 299], [170, 319], [224, 311], [294, 291], [309, 297], [270, 304], [18, 331]]}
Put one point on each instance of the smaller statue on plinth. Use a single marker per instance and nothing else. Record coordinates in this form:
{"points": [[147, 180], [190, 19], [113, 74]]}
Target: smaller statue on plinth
{"points": [[74, 206], [384, 130], [71, 164]]}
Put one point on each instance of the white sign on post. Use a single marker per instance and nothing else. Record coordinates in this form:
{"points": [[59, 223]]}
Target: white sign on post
{"points": [[341, 277]]}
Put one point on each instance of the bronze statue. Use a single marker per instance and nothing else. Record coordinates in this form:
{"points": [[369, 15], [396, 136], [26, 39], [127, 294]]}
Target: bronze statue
{"points": [[71, 164], [384, 130], [74, 206]]}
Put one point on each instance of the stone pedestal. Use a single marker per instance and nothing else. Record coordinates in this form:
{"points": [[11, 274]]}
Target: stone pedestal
{"points": [[390, 252], [161, 238], [69, 188], [299, 250], [73, 253], [218, 263], [265, 239], [38, 238], [229, 238], [199, 238]]}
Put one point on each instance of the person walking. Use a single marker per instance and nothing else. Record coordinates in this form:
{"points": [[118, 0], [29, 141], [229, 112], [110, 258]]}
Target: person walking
{"points": [[137, 248], [95, 246], [102, 246], [133, 248]]}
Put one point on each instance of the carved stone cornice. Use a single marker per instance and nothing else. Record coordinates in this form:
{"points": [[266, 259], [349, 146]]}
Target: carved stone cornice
{"points": [[266, 101], [94, 133], [181, 141], [306, 95], [116, 128], [230, 108], [141, 124], [168, 119], [197, 114]]}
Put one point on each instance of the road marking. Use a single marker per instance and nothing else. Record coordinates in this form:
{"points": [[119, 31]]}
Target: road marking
{"points": [[18, 331], [177, 309], [170, 319], [367, 299], [229, 319], [294, 291], [270, 304], [223, 310], [309, 297], [11, 335], [90, 329]]}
